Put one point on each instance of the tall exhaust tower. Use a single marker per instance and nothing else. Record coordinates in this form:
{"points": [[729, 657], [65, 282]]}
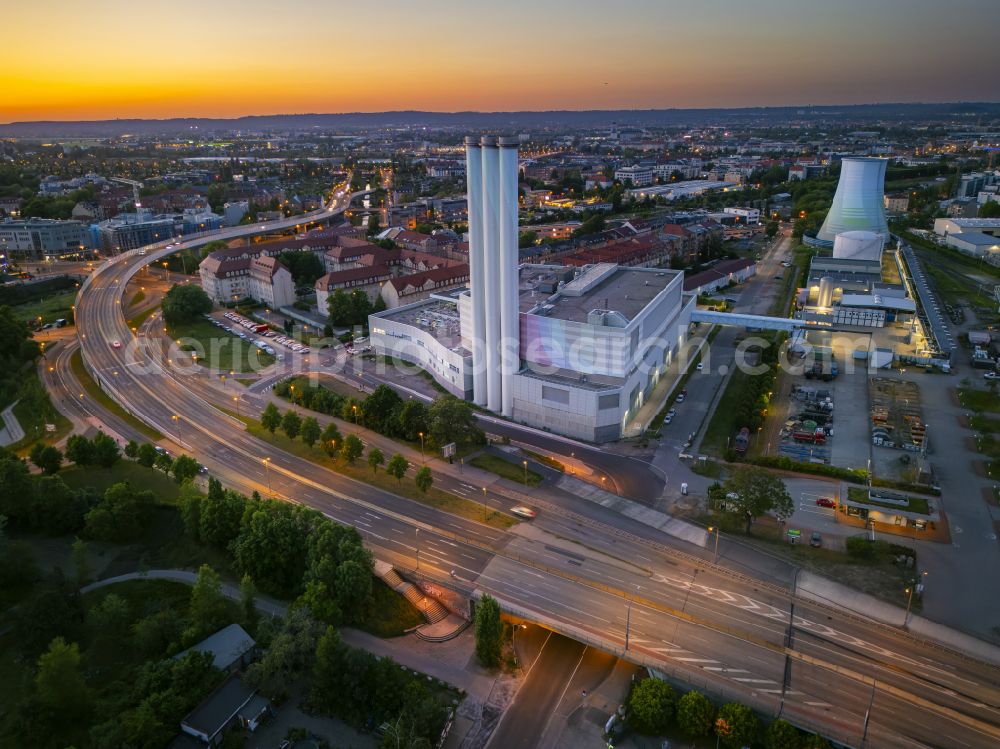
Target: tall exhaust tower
{"points": [[491, 175], [858, 204]]}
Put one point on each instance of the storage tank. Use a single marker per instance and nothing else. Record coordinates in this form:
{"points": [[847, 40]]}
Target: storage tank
{"points": [[825, 292]]}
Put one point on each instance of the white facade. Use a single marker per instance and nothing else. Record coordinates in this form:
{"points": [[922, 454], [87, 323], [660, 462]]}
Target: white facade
{"points": [[748, 216], [859, 203], [233, 213], [858, 245], [640, 176]]}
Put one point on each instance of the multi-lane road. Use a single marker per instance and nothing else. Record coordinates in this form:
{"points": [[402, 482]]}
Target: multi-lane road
{"points": [[742, 636]]}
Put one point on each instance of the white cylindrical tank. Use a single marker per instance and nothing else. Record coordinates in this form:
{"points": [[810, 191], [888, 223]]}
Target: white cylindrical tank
{"points": [[510, 334], [825, 292], [858, 245], [491, 251], [858, 204], [477, 270]]}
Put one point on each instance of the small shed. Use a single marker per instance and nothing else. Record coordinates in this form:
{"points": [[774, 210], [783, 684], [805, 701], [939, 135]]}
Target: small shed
{"points": [[234, 702], [232, 648]]}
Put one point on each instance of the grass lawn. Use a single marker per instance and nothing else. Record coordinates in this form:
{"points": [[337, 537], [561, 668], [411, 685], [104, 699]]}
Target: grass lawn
{"points": [[143, 595], [979, 400], [50, 309], [139, 477], [33, 411], [721, 427], [545, 460], [390, 614], [219, 350], [360, 471], [92, 389], [137, 298], [137, 322], [506, 469]]}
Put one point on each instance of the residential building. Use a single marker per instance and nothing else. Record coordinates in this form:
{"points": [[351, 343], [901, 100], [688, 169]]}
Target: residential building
{"points": [[721, 275], [270, 282], [127, 231], [233, 213], [230, 275], [899, 203], [234, 702], [416, 286], [747, 216], [369, 279]]}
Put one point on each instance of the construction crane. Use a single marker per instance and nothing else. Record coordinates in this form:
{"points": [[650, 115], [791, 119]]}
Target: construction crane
{"points": [[136, 186]]}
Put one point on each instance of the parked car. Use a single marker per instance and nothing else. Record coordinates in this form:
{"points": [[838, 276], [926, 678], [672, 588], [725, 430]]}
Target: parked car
{"points": [[700, 367], [826, 502], [991, 376], [815, 539]]}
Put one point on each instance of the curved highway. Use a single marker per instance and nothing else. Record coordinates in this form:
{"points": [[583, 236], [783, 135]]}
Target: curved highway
{"points": [[845, 676]]}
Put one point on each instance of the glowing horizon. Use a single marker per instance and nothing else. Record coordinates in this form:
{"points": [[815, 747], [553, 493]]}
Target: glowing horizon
{"points": [[227, 60]]}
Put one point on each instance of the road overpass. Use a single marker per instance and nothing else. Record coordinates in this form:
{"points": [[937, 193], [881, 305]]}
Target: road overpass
{"points": [[737, 636]]}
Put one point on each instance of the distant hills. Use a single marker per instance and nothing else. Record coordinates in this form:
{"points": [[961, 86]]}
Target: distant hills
{"points": [[967, 112]]}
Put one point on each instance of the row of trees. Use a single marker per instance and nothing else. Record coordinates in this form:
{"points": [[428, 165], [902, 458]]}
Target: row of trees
{"points": [[654, 708], [349, 448], [448, 419]]}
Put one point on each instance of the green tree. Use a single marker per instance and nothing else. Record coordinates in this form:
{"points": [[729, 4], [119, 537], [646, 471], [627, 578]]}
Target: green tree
{"points": [[783, 735], [331, 439], [752, 492], [397, 467], [381, 409], [736, 725], [121, 514], [424, 479], [80, 450], [270, 418], [106, 452], [412, 420], [132, 450], [184, 302], [221, 518], [248, 603], [452, 420], [59, 683], [164, 462], [771, 228], [209, 608], [109, 624], [695, 714], [291, 653], [185, 468], [81, 564], [146, 455], [352, 448], [291, 424], [310, 430], [305, 267], [651, 706], [46, 457], [354, 588], [990, 209], [489, 630], [375, 459]]}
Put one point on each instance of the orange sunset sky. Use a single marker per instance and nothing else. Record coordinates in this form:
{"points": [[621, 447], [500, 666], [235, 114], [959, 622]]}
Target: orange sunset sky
{"points": [[66, 59]]}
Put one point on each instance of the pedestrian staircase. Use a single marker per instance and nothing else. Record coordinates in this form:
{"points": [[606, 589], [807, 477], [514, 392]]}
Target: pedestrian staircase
{"points": [[441, 624]]}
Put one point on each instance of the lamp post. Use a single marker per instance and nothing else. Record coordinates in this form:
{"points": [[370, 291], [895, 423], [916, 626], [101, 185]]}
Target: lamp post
{"points": [[628, 615], [177, 420], [525, 464], [484, 504], [236, 400], [354, 409], [416, 543], [914, 584], [422, 458], [267, 473], [715, 529]]}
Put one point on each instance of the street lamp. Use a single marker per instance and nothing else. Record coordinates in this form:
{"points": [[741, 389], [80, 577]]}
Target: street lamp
{"points": [[422, 459], [525, 464], [715, 529], [919, 586], [236, 400], [416, 544], [177, 421], [354, 409], [267, 472], [628, 615]]}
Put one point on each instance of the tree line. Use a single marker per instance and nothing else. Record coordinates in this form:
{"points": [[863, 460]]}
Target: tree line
{"points": [[348, 449]]}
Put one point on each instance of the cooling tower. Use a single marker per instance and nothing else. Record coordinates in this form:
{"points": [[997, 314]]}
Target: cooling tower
{"points": [[825, 292], [858, 204]]}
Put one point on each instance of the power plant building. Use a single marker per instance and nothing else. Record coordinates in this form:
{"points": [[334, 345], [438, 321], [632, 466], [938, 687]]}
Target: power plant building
{"points": [[575, 351]]}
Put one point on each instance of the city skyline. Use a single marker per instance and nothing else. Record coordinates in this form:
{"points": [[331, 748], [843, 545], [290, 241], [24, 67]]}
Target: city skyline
{"points": [[119, 61]]}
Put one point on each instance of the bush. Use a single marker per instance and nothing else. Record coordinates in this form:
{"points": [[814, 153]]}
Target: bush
{"points": [[695, 714]]}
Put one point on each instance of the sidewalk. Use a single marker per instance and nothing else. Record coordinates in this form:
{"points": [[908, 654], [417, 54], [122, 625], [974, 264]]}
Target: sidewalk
{"points": [[10, 427]]}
